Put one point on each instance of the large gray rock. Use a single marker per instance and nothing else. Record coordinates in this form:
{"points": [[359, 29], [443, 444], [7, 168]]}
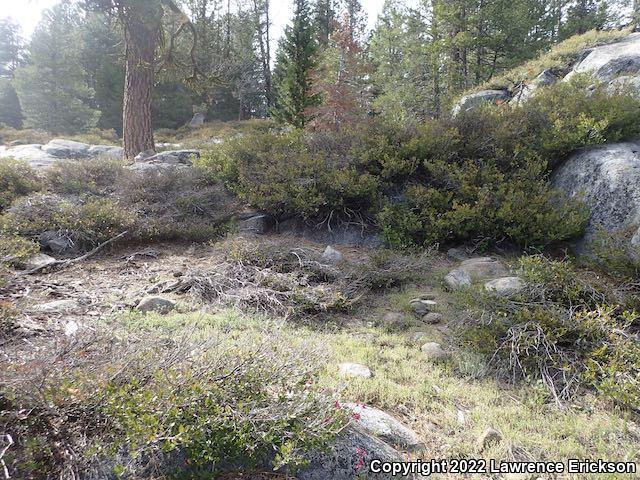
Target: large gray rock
{"points": [[350, 457], [61, 148], [607, 179], [105, 151], [43, 156], [607, 62], [345, 234], [472, 100], [33, 155], [475, 270], [55, 242], [259, 224], [384, 426]]}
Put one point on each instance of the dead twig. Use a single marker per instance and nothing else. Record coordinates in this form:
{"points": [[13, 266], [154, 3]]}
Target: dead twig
{"points": [[60, 264]]}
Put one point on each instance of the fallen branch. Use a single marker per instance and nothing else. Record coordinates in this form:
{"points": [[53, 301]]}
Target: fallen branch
{"points": [[65, 263]]}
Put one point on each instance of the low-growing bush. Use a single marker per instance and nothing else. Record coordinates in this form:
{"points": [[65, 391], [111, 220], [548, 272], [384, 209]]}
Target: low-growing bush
{"points": [[282, 174], [176, 204], [16, 179], [15, 249], [97, 176], [567, 330], [131, 405], [85, 223]]}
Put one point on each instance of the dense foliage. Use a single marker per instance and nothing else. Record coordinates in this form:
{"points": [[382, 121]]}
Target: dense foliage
{"points": [[478, 176]]}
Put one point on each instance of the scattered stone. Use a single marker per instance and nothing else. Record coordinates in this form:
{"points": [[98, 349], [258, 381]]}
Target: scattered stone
{"points": [[71, 328], [38, 261], [505, 286], [197, 120], [433, 351], [54, 241], [432, 318], [355, 370], [457, 253], [422, 307], [475, 270], [56, 306], [384, 426], [457, 279], [258, 224], [156, 304], [394, 319], [332, 255], [488, 437], [417, 337]]}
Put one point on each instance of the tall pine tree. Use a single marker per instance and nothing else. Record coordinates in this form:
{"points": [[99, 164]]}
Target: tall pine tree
{"points": [[295, 61]]}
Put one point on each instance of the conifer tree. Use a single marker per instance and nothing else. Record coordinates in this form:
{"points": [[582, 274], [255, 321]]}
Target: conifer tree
{"points": [[295, 61], [52, 88]]}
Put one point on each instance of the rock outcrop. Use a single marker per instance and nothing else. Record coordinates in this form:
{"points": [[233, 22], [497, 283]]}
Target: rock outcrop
{"points": [[472, 100], [43, 156], [608, 62], [607, 178]]}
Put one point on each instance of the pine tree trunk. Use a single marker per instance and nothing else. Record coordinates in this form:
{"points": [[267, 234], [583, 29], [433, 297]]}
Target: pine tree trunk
{"points": [[140, 39]]}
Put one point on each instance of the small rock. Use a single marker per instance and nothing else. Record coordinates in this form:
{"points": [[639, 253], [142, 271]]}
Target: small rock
{"points": [[417, 337], [432, 318], [422, 307], [473, 270], [197, 120], [505, 286], [258, 224], [384, 426], [57, 306], [457, 253], [71, 328], [457, 279], [332, 255], [433, 351], [490, 435], [54, 241], [156, 304], [355, 370], [40, 260], [394, 319]]}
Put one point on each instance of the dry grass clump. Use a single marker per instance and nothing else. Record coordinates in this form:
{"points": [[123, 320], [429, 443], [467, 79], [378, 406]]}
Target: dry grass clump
{"points": [[288, 280]]}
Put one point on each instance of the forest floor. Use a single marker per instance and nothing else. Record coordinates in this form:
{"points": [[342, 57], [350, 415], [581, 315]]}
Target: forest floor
{"points": [[449, 403]]}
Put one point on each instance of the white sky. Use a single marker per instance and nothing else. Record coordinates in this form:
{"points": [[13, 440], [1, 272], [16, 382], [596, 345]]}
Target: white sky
{"points": [[27, 13]]}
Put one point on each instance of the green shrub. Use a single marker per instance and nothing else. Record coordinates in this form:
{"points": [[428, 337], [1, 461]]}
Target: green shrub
{"points": [[613, 253], [86, 223], [566, 329], [16, 179], [15, 249], [82, 177], [194, 410], [283, 175]]}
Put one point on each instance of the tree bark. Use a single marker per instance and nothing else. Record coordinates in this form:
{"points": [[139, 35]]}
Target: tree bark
{"points": [[141, 37]]}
